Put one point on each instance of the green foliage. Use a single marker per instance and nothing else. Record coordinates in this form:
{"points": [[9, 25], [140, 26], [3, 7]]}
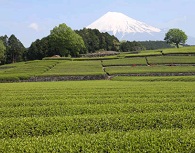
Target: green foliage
{"points": [[62, 41], [2, 51], [175, 36], [135, 141], [95, 40], [97, 116], [39, 126], [67, 41], [5, 40], [15, 50], [39, 49]]}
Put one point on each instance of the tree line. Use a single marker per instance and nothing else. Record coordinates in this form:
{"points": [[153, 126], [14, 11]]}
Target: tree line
{"points": [[66, 42], [62, 41]]}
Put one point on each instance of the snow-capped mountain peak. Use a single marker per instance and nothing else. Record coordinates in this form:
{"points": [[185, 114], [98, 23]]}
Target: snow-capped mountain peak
{"points": [[119, 23], [126, 28]]}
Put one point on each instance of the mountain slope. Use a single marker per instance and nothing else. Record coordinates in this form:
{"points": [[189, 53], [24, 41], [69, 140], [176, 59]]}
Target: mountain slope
{"points": [[121, 25]]}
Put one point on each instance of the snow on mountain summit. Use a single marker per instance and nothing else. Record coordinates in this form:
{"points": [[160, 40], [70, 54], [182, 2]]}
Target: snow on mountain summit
{"points": [[119, 23]]}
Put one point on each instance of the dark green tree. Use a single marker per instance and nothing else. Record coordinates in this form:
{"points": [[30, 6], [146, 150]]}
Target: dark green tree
{"points": [[42, 48], [2, 51], [116, 45], [4, 39], [90, 38], [15, 50], [67, 41], [35, 51], [95, 40], [175, 36]]}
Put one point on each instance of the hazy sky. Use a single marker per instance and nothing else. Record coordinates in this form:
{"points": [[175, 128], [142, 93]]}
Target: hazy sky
{"points": [[29, 20]]}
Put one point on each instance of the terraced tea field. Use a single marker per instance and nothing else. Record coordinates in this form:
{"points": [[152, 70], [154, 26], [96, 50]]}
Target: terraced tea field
{"points": [[125, 62], [171, 60], [97, 116], [167, 62], [26, 70], [149, 70], [76, 68]]}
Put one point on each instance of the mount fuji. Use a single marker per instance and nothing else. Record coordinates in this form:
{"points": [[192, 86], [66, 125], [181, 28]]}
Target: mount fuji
{"points": [[126, 28]]}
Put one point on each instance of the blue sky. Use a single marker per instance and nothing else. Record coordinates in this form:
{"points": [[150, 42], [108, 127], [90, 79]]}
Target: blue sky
{"points": [[29, 20]]}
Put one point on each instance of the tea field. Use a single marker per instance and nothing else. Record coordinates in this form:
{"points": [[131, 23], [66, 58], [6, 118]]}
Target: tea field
{"points": [[147, 105], [97, 116]]}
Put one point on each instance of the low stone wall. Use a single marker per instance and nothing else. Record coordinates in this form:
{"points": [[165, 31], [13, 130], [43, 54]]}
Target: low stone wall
{"points": [[65, 78], [101, 54]]}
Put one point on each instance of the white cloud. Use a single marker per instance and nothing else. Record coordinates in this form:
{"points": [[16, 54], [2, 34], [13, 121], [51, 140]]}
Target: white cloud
{"points": [[34, 26]]}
